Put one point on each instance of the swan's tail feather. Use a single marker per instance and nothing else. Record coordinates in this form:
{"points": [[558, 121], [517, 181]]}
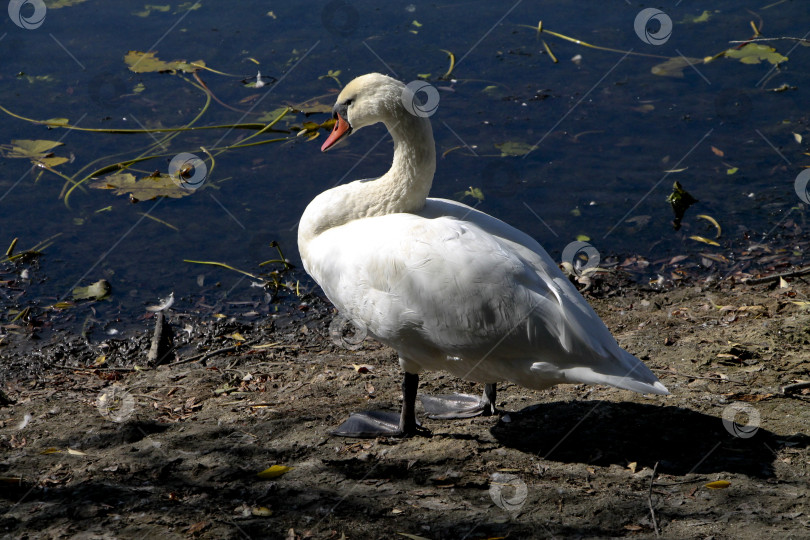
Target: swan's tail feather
{"points": [[626, 372]]}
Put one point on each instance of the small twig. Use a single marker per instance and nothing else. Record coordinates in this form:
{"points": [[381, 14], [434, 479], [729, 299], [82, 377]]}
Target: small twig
{"points": [[770, 39], [774, 277], [205, 356], [649, 500], [90, 369]]}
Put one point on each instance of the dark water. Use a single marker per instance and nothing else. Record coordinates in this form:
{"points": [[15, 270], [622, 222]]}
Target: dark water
{"points": [[605, 128]]}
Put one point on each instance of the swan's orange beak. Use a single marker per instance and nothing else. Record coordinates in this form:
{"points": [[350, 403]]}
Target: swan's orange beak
{"points": [[341, 128]]}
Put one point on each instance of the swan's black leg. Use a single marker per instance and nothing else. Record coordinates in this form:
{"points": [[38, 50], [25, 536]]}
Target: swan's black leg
{"points": [[460, 405], [387, 424], [488, 400], [407, 419]]}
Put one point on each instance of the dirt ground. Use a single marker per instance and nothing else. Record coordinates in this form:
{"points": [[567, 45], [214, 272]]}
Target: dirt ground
{"points": [[121, 451]]}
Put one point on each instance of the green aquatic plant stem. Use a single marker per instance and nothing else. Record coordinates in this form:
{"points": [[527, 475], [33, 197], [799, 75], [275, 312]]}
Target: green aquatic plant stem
{"points": [[36, 249], [121, 131], [540, 30], [223, 265], [149, 149]]}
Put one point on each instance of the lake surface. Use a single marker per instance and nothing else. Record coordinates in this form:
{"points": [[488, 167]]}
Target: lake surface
{"points": [[577, 149]]}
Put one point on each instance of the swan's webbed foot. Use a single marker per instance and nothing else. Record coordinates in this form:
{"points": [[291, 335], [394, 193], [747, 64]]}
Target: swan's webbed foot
{"points": [[387, 424], [372, 424], [455, 406]]}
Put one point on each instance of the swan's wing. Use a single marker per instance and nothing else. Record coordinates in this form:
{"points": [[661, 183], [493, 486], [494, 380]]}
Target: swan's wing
{"points": [[469, 286]]}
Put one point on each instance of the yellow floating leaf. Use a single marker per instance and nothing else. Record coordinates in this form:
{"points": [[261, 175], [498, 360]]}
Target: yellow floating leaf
{"points": [[704, 240], [143, 189], [27, 148], [703, 17], [147, 62], [50, 450], [237, 336], [100, 360], [50, 162], [754, 53], [514, 148], [58, 121], [732, 170], [674, 66], [56, 4], [274, 471], [475, 193], [718, 484], [797, 137], [97, 291]]}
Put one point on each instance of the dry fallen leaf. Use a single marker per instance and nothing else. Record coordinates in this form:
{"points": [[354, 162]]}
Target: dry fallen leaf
{"points": [[198, 527], [274, 471], [363, 368], [718, 484], [261, 511], [704, 240], [633, 466], [717, 151]]}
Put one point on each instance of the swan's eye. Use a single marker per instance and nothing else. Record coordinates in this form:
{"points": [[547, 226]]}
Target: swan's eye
{"points": [[349, 102]]}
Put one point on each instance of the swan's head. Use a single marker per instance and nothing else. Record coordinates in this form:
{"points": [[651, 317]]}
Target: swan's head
{"points": [[366, 100]]}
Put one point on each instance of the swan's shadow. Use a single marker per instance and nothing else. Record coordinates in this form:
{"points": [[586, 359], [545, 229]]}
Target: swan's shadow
{"points": [[682, 441]]}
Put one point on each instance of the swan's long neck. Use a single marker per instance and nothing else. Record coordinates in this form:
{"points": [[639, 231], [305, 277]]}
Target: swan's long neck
{"points": [[403, 188]]}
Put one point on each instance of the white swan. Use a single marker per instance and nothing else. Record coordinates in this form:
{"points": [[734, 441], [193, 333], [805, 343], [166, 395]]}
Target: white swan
{"points": [[449, 287]]}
